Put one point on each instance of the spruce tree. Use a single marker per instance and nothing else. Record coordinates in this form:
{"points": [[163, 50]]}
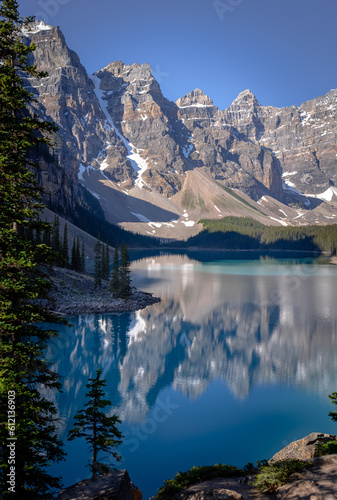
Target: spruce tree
{"points": [[73, 263], [124, 273], [23, 369], [100, 431], [105, 261], [98, 264], [333, 414], [82, 258], [56, 241], [114, 282], [78, 253], [65, 246]]}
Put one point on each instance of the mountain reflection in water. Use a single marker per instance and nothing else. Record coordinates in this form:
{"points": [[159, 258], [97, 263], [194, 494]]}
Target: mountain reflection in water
{"points": [[244, 324]]}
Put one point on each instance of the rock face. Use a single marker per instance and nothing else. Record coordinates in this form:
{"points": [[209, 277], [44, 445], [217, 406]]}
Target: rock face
{"points": [[113, 486], [302, 139], [67, 97], [303, 449], [209, 494], [118, 123]]}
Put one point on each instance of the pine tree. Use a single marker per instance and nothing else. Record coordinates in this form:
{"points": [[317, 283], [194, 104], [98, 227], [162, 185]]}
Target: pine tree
{"points": [[65, 247], [124, 273], [105, 261], [99, 430], [114, 282], [98, 264], [102, 261], [78, 254], [333, 414], [23, 369], [82, 258], [56, 241], [73, 256]]}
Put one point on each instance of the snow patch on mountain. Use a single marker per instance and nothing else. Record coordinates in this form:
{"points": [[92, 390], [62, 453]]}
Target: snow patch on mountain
{"points": [[138, 163], [327, 195], [197, 105], [141, 217], [281, 221], [35, 27], [82, 170]]}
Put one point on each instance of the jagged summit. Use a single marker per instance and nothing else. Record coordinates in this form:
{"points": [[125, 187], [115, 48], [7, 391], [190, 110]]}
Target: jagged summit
{"points": [[118, 68], [195, 98], [246, 96], [35, 27]]}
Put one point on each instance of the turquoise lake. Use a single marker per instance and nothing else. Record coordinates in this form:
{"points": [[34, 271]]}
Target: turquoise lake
{"points": [[235, 362]]}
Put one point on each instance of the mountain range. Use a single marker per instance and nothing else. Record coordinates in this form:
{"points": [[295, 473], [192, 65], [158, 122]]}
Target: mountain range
{"points": [[157, 167]]}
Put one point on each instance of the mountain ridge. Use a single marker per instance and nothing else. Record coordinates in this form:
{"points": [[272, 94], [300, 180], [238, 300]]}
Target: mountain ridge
{"points": [[118, 132]]}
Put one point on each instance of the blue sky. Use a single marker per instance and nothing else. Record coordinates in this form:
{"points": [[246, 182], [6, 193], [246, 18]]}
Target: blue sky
{"points": [[283, 50]]}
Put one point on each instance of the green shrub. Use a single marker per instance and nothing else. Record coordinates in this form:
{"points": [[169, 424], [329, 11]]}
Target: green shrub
{"points": [[196, 475], [328, 448], [271, 476]]}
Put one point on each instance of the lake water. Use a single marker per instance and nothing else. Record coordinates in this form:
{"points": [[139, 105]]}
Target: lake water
{"points": [[235, 362]]}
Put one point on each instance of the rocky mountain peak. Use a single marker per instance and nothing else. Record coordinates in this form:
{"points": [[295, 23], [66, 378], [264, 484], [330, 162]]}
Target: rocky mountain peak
{"points": [[35, 27], [196, 98], [129, 72], [246, 96]]}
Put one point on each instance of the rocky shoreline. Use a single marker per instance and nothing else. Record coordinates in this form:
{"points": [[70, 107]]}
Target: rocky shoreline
{"points": [[74, 293]]}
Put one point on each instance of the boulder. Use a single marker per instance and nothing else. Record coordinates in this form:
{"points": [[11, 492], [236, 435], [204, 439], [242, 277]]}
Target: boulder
{"points": [[136, 493], [113, 486], [302, 449], [210, 494]]}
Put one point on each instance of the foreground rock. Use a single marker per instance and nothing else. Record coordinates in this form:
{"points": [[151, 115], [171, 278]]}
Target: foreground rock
{"points": [[113, 486], [303, 449], [74, 293]]}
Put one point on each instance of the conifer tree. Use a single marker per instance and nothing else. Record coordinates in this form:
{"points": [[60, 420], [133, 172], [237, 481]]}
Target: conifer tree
{"points": [[56, 241], [82, 258], [333, 414], [73, 263], [23, 369], [98, 264], [102, 261], [105, 261], [114, 282], [124, 273], [65, 247], [100, 431], [78, 254]]}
